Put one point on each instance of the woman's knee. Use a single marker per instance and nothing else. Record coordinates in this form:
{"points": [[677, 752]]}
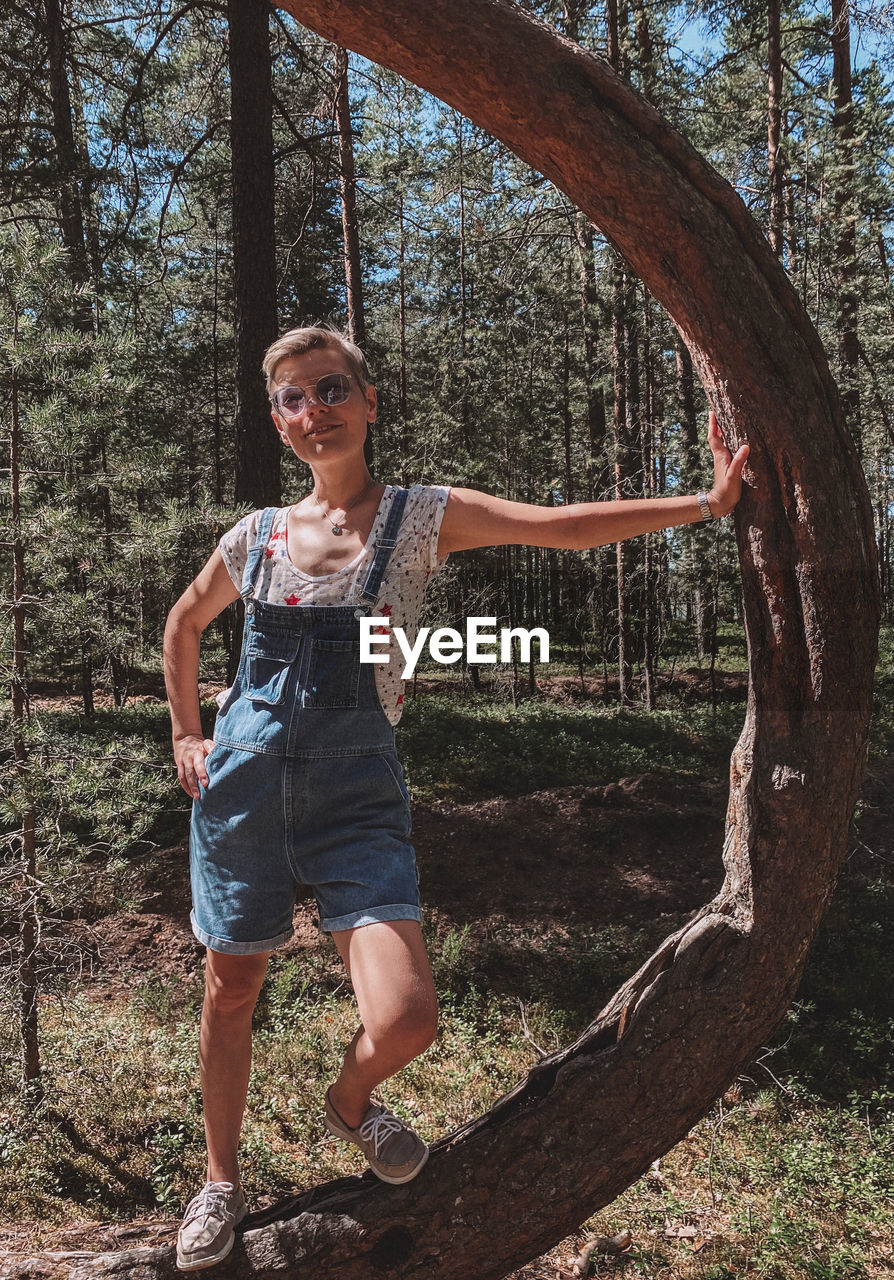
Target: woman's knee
{"points": [[414, 1025], [233, 983]]}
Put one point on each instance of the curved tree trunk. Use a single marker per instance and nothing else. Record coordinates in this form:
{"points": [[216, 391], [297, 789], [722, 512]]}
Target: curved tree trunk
{"points": [[588, 1120]]}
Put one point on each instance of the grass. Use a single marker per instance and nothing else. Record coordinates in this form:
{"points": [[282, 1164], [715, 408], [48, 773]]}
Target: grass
{"points": [[481, 746], [789, 1177], [769, 1184], [120, 1130]]}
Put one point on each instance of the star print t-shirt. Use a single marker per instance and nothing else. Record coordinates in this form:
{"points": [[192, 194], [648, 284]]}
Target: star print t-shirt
{"points": [[414, 562]]}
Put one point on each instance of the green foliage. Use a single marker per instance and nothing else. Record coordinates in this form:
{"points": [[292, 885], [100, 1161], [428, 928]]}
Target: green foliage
{"points": [[480, 746], [882, 736]]}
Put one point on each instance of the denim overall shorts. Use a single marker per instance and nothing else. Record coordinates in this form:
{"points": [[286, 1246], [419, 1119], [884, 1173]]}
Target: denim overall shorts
{"points": [[304, 783]]}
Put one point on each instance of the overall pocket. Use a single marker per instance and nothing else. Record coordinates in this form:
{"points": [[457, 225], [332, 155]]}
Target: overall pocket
{"points": [[270, 659], [396, 775], [334, 674]]}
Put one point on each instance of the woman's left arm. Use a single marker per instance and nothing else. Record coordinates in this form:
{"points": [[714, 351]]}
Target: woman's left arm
{"points": [[475, 519]]}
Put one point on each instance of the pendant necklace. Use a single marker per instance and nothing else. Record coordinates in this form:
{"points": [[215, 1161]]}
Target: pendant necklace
{"points": [[338, 529]]}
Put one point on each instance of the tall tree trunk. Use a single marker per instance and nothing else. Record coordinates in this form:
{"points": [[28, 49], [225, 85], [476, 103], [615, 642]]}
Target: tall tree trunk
{"points": [[403, 372], [257, 446], [698, 550], [632, 478], [28, 883], [350, 228], [463, 287], [68, 161], [790, 222], [347, 180], [845, 221], [72, 223], [402, 375], [612, 34], [566, 412], [623, 470], [596, 423], [774, 127], [616, 24], [649, 552]]}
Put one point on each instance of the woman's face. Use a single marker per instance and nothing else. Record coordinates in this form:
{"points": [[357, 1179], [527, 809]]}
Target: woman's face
{"points": [[316, 429]]}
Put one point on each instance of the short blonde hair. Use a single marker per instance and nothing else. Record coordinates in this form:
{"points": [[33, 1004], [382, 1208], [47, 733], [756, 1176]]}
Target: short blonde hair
{"points": [[297, 342]]}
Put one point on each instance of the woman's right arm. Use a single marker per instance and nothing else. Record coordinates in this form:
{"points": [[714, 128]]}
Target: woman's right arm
{"points": [[200, 603]]}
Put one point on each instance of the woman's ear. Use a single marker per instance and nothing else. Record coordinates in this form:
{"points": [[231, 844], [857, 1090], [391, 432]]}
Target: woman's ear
{"points": [[370, 405]]}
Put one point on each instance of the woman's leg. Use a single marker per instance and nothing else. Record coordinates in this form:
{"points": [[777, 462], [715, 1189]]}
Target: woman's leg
{"points": [[232, 986], [389, 969]]}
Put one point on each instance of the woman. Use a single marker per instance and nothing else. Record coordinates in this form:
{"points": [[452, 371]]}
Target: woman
{"points": [[301, 783]]}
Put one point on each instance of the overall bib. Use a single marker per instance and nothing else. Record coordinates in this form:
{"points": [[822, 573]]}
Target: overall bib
{"points": [[305, 786]]}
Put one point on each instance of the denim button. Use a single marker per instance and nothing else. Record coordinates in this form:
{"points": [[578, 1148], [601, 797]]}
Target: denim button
{"points": [[249, 608], [359, 613]]}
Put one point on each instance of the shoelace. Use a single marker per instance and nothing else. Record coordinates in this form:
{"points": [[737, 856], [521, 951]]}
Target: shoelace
{"points": [[378, 1128], [212, 1199]]}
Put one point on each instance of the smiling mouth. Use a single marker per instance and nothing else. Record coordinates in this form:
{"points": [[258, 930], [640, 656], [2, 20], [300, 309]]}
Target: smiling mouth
{"points": [[321, 429]]}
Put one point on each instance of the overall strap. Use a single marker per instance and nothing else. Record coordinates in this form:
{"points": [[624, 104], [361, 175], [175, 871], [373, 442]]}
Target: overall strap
{"points": [[384, 546], [256, 553]]}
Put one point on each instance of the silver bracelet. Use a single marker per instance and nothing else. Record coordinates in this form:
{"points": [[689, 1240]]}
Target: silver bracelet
{"points": [[704, 506]]}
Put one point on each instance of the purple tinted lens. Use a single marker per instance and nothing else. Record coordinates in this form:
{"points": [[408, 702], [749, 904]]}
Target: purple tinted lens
{"points": [[290, 400], [333, 388]]}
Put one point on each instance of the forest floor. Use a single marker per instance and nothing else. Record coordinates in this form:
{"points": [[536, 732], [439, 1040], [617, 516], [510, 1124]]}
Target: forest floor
{"points": [[642, 848], [511, 883]]}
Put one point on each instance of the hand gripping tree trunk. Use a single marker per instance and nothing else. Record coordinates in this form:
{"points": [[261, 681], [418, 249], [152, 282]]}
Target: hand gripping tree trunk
{"points": [[588, 1120]]}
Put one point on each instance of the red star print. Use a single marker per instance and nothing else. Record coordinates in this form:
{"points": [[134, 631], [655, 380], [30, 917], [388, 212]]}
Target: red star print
{"points": [[381, 631], [293, 599], [400, 698], [268, 552], [279, 534]]}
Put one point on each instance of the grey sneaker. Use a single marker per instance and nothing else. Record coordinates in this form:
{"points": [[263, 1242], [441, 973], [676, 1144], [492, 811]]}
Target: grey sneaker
{"points": [[395, 1153], [206, 1234]]}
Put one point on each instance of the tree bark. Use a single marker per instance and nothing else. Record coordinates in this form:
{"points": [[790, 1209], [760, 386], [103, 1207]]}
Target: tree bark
{"points": [[350, 227], [348, 188], [678, 1031], [70, 196], [463, 288], [774, 125], [623, 470], [698, 547], [258, 448], [596, 424], [29, 922], [848, 302], [72, 223]]}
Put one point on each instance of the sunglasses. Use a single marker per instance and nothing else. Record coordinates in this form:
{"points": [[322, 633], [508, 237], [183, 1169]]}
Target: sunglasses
{"points": [[331, 389]]}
